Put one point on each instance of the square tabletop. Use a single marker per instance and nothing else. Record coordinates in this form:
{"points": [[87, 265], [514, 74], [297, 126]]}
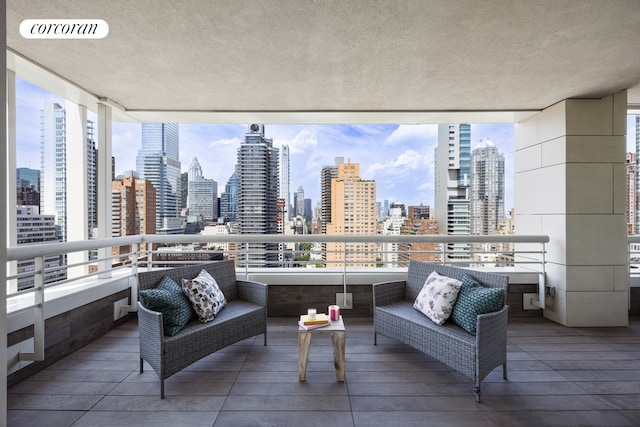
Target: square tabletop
{"points": [[333, 326]]}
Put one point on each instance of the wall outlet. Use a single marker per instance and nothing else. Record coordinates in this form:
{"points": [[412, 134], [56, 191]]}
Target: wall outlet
{"points": [[340, 300], [527, 301], [118, 312]]}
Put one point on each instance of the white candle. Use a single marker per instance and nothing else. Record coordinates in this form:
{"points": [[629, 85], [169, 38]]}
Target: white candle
{"points": [[311, 313]]}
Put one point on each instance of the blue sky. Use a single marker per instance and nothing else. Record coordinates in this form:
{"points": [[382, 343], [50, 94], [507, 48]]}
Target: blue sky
{"points": [[399, 158]]}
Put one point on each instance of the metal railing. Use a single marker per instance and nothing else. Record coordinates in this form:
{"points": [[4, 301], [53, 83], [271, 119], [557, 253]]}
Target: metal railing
{"points": [[343, 254], [634, 260], [347, 252]]}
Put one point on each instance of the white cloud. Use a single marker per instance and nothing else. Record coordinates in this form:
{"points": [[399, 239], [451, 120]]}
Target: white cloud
{"points": [[412, 134], [125, 143], [404, 178], [217, 160], [302, 142], [402, 166], [235, 142]]}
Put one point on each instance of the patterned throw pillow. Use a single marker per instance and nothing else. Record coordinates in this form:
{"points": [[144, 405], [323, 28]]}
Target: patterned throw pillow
{"points": [[205, 295], [473, 300], [168, 299], [437, 297]]}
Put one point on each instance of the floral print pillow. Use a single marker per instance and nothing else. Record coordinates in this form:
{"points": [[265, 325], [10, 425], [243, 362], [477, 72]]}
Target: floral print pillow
{"points": [[437, 297]]}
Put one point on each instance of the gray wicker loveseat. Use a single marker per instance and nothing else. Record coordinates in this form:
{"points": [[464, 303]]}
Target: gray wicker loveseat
{"points": [[244, 316], [474, 356]]}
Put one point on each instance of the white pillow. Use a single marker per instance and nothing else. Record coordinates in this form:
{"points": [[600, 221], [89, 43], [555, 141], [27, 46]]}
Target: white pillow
{"points": [[437, 297], [205, 295]]}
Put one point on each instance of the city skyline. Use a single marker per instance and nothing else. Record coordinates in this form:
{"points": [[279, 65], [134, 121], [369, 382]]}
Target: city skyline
{"points": [[400, 158]]}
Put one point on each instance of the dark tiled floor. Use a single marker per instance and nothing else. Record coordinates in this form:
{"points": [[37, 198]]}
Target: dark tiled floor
{"points": [[557, 377]]}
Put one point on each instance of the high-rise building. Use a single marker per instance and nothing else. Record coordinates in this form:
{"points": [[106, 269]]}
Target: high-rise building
{"points": [[452, 181], [26, 177], [53, 169], [282, 220], [487, 188], [632, 193], [391, 226], [92, 181], [316, 226], [637, 205], [257, 171], [308, 213], [500, 254], [353, 212], [300, 202], [398, 205], [184, 189], [326, 175], [27, 196], [229, 200], [429, 252], [133, 209], [419, 212], [158, 161], [285, 179], [28, 187], [202, 194], [34, 228]]}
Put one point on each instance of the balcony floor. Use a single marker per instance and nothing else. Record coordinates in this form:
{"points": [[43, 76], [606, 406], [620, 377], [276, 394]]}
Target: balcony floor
{"points": [[557, 377]]}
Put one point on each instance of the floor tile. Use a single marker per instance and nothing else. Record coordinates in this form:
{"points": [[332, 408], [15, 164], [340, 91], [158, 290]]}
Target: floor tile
{"points": [[431, 418], [147, 419], [291, 418], [557, 376], [53, 418]]}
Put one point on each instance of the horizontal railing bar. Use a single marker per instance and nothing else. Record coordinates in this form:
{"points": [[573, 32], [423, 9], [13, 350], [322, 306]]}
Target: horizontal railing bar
{"points": [[21, 252], [339, 238], [32, 251]]}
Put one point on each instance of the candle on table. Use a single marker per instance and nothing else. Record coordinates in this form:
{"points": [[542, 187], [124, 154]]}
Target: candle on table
{"points": [[334, 312]]}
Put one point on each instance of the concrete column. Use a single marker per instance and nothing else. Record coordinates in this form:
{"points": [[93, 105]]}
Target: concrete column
{"points": [[77, 186], [3, 235], [570, 185], [104, 183], [12, 226]]}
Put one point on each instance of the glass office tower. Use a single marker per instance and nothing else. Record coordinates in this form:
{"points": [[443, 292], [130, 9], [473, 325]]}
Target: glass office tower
{"points": [[257, 209], [158, 161]]}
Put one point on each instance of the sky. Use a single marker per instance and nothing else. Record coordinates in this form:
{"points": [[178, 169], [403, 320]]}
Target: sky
{"points": [[400, 158]]}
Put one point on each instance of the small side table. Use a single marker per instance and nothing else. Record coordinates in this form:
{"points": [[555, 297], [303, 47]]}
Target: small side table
{"points": [[337, 331]]}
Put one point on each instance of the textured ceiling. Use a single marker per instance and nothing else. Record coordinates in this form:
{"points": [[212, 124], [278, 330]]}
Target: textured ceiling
{"points": [[345, 56]]}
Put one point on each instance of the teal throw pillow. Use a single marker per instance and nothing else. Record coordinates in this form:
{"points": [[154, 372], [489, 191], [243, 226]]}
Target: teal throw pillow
{"points": [[168, 299], [473, 300]]}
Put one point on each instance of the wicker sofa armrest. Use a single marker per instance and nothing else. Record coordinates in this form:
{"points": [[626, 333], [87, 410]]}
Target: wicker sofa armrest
{"points": [[151, 330], [388, 292], [491, 339], [492, 329], [254, 292]]}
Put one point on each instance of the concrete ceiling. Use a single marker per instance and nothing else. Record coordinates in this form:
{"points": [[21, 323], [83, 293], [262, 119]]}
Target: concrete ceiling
{"points": [[348, 59]]}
